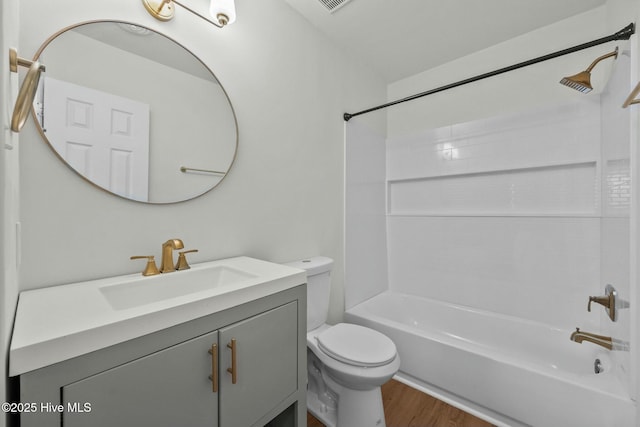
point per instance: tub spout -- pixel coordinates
(579, 336)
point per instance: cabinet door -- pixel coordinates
(266, 365)
(168, 388)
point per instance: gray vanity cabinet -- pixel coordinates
(165, 389)
(172, 385)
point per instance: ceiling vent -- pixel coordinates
(333, 5)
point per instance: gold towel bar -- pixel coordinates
(15, 61)
(631, 99)
(186, 169)
(28, 89)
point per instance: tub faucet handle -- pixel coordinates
(600, 300)
(608, 301)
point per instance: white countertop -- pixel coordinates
(61, 322)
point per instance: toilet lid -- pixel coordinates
(357, 345)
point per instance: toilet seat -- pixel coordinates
(356, 345)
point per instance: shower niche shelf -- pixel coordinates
(565, 190)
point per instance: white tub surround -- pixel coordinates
(506, 206)
(365, 217)
(515, 208)
(509, 371)
(61, 322)
(498, 231)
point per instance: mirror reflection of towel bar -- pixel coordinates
(185, 170)
(27, 90)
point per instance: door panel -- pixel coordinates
(266, 361)
(166, 389)
(103, 136)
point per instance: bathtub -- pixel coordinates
(506, 370)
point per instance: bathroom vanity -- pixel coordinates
(231, 354)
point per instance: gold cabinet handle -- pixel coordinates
(233, 370)
(214, 368)
(631, 99)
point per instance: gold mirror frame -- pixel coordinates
(183, 169)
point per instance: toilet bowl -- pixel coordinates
(346, 364)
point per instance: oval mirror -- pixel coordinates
(134, 112)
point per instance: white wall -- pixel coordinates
(522, 89)
(615, 267)
(9, 152)
(365, 221)
(282, 199)
(627, 225)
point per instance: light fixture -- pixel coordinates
(222, 11)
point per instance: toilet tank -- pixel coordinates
(318, 288)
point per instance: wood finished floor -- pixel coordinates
(407, 407)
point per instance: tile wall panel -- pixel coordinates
(502, 214)
(541, 269)
(554, 190)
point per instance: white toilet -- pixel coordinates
(346, 363)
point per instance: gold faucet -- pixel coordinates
(167, 265)
(579, 336)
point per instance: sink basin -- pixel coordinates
(171, 285)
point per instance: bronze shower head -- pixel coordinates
(582, 81)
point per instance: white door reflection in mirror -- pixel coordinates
(102, 136)
(192, 128)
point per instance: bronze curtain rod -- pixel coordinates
(623, 34)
